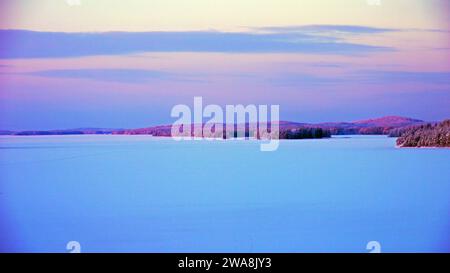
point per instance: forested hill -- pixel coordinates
(427, 135)
(288, 130)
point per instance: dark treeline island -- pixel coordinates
(288, 130)
(411, 132)
(304, 133)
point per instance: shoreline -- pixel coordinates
(422, 147)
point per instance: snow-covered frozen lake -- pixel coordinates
(144, 194)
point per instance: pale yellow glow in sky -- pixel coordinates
(224, 15)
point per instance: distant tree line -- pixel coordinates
(304, 133)
(289, 133)
(229, 133)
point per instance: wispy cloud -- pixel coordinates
(327, 29)
(108, 75)
(392, 77)
(304, 80)
(30, 44)
(365, 77)
(328, 65)
(138, 76)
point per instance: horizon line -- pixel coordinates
(166, 124)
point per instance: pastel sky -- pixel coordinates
(125, 64)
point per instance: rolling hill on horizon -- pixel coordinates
(376, 126)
